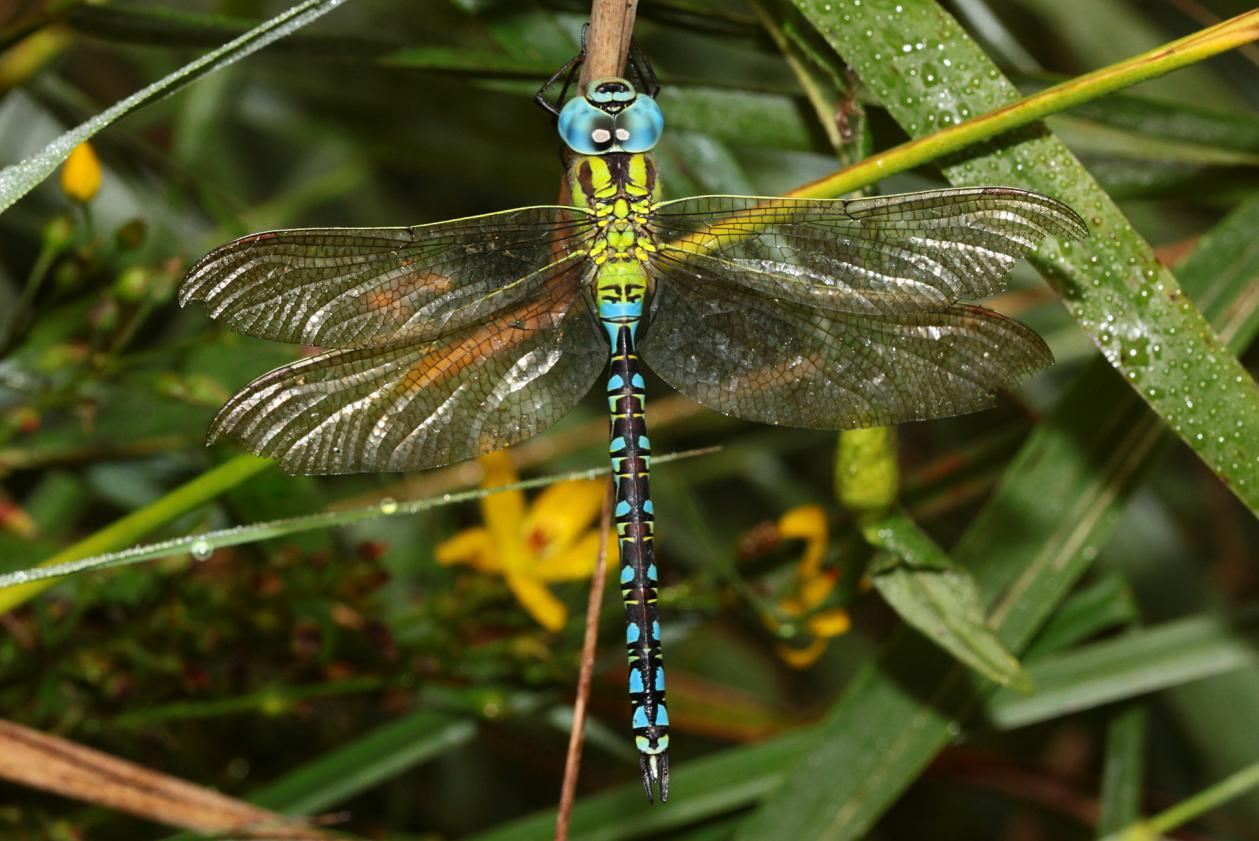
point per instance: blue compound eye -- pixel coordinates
(586, 130)
(638, 127)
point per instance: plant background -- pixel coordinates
(346, 670)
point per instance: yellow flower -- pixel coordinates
(812, 586)
(81, 174)
(530, 546)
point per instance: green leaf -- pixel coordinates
(699, 788)
(1103, 604)
(741, 117)
(929, 76)
(932, 594)
(99, 551)
(736, 777)
(19, 179)
(1055, 507)
(1134, 664)
(1110, 31)
(460, 60)
(1123, 771)
(26, 584)
(374, 758)
(369, 760)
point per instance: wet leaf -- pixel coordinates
(930, 76)
(1055, 507)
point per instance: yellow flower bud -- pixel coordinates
(81, 174)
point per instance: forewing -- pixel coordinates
(415, 406)
(361, 287)
(783, 363)
(892, 254)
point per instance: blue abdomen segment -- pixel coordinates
(635, 526)
(616, 315)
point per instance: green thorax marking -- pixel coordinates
(621, 189)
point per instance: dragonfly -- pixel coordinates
(450, 340)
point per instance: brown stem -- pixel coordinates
(39, 760)
(572, 764)
(607, 42)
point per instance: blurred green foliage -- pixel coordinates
(347, 670)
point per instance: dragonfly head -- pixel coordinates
(611, 117)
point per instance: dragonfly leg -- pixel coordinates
(647, 81)
(568, 72)
(630, 450)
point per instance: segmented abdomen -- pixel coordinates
(631, 462)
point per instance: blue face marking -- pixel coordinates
(611, 117)
(605, 92)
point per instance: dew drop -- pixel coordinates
(201, 550)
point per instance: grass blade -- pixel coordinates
(26, 584)
(710, 786)
(19, 585)
(737, 777)
(1056, 506)
(19, 179)
(1123, 771)
(1134, 664)
(931, 76)
(366, 762)
(1235, 785)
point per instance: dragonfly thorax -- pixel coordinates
(620, 189)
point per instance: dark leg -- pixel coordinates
(646, 81)
(568, 71)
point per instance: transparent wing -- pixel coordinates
(419, 405)
(783, 363)
(361, 287)
(892, 254)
